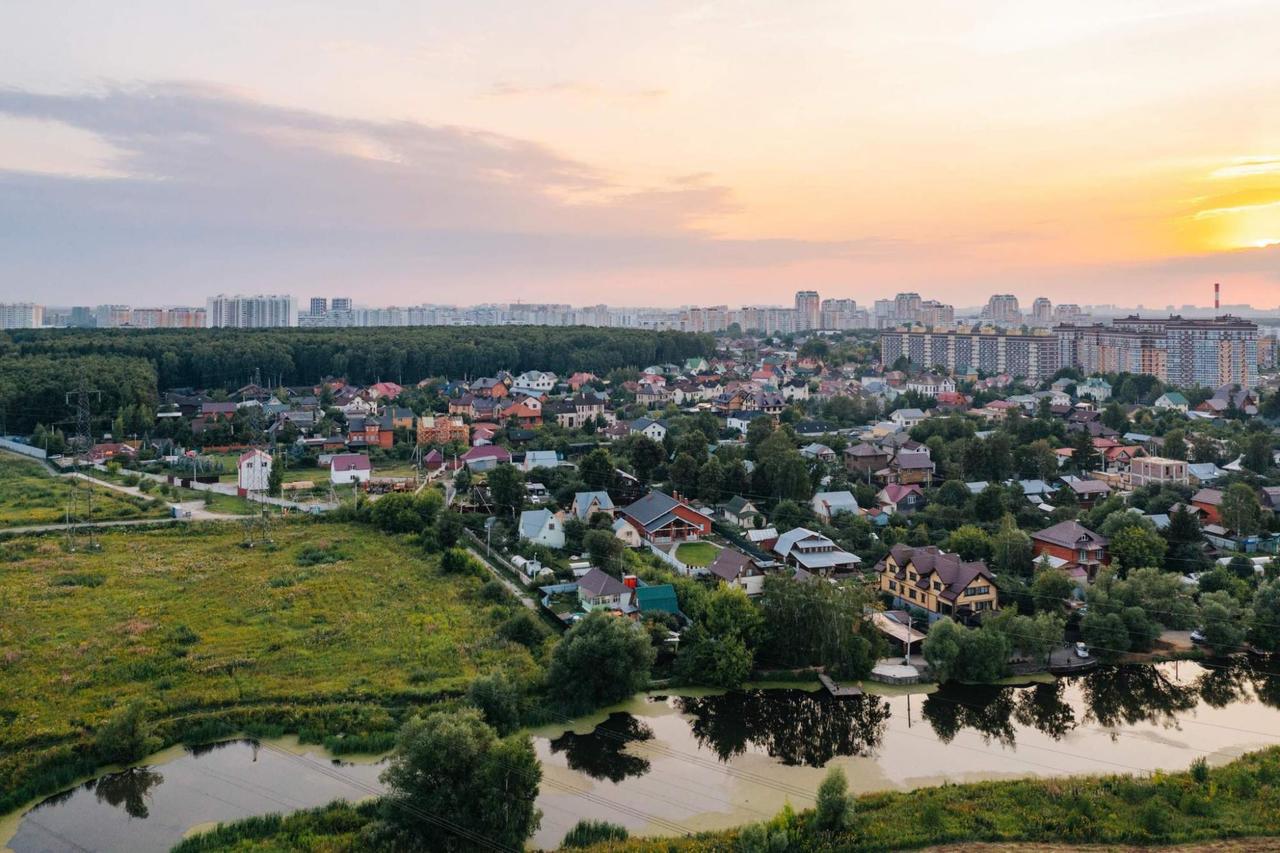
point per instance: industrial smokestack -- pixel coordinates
(1217, 287)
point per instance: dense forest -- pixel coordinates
(38, 367)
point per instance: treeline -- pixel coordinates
(37, 367)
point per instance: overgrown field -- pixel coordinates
(1237, 800)
(205, 630)
(30, 494)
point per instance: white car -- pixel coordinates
(1197, 636)
(1082, 651)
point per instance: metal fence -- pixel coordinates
(24, 449)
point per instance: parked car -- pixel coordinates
(1197, 636)
(1082, 651)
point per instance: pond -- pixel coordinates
(676, 764)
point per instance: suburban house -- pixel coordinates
(486, 457)
(763, 537)
(1081, 550)
(1209, 501)
(1172, 400)
(489, 387)
(1095, 388)
(937, 582)
(367, 431)
(661, 518)
(865, 458)
(542, 527)
(931, 385)
(741, 421)
(1157, 470)
(907, 418)
(536, 379)
(900, 498)
(628, 535)
(814, 553)
(587, 504)
(539, 459)
(827, 505)
(253, 471)
(913, 465)
(600, 591)
(738, 570)
(1088, 492)
(818, 452)
(741, 512)
(657, 430)
(347, 468)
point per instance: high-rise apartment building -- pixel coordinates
(906, 307)
(21, 315)
(250, 312)
(319, 306)
(1179, 351)
(808, 310)
(842, 315)
(1042, 311)
(341, 303)
(1034, 356)
(1003, 308)
(935, 313)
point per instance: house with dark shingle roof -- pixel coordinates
(662, 519)
(598, 590)
(1083, 550)
(939, 583)
(738, 570)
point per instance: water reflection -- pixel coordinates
(793, 726)
(601, 754)
(1108, 697)
(129, 789)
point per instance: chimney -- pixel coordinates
(1217, 287)
(630, 581)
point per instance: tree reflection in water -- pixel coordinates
(601, 754)
(793, 726)
(1127, 695)
(984, 707)
(128, 788)
(1266, 679)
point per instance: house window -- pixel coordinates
(893, 585)
(912, 594)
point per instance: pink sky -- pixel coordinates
(665, 153)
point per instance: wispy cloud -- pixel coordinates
(210, 184)
(507, 89)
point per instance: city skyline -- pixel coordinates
(734, 152)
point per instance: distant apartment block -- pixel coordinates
(21, 315)
(1034, 356)
(808, 310)
(1178, 351)
(251, 312)
(1002, 308)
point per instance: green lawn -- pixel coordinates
(186, 617)
(696, 554)
(31, 494)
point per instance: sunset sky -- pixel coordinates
(640, 153)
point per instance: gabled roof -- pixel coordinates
(597, 583)
(1070, 534)
(930, 562)
(350, 462)
(658, 597)
(729, 563)
(1212, 497)
(532, 521)
(582, 502)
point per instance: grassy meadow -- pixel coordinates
(30, 494)
(188, 619)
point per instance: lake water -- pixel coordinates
(675, 764)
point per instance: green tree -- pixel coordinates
(730, 613)
(605, 550)
(599, 661)
(1011, 549)
(1106, 634)
(1240, 509)
(1257, 453)
(646, 456)
(498, 699)
(275, 477)
(835, 805)
(506, 488)
(942, 648)
(1136, 546)
(451, 764)
(1050, 589)
(715, 661)
(1264, 628)
(710, 480)
(1224, 623)
(684, 474)
(125, 737)
(597, 470)
(970, 542)
(1175, 444)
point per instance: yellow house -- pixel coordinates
(937, 582)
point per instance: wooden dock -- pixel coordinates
(835, 689)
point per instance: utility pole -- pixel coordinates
(81, 492)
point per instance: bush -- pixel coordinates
(835, 804)
(456, 561)
(316, 555)
(89, 579)
(523, 628)
(498, 699)
(586, 833)
(125, 737)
